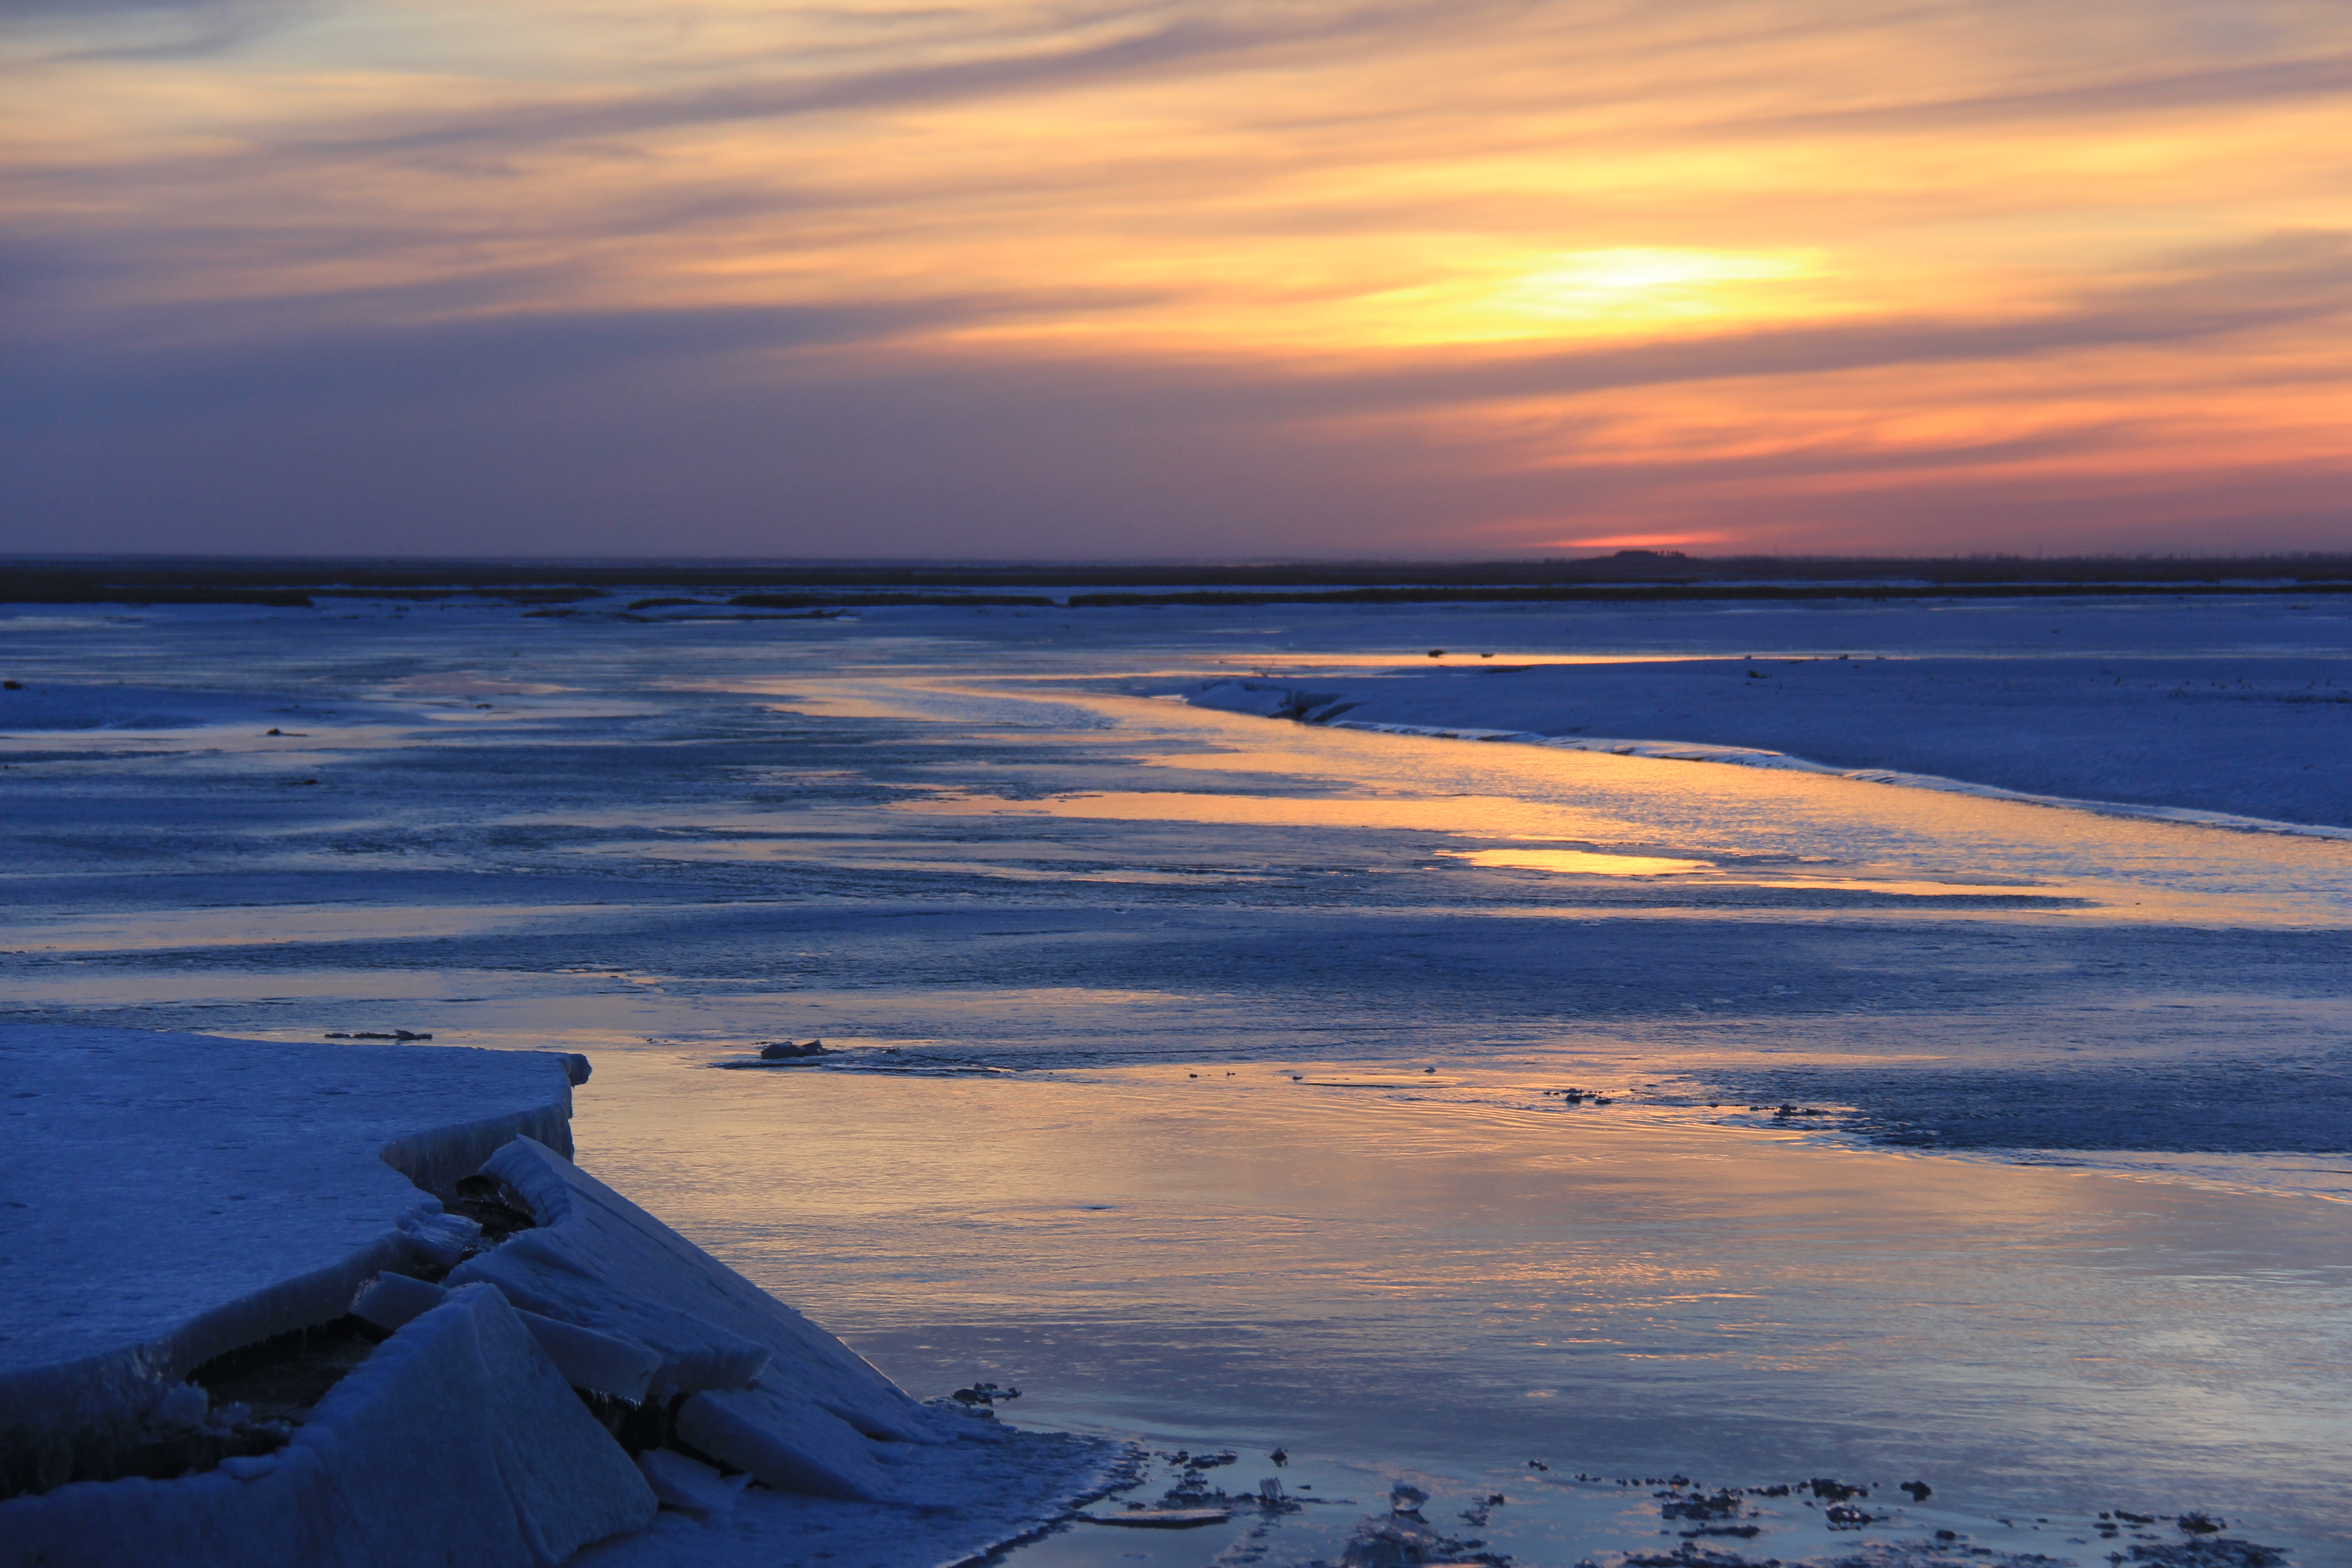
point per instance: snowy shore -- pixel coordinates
(354, 1304)
(2264, 741)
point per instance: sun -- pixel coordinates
(1645, 284)
(1617, 291)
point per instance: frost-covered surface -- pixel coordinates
(765, 1390)
(2265, 737)
(173, 1196)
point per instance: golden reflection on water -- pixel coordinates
(1580, 862)
(1426, 1265)
(2135, 869)
(1486, 815)
(1829, 831)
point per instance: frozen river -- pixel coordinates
(1211, 1068)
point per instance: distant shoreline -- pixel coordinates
(1626, 577)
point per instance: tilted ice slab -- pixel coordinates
(768, 1391)
(165, 1198)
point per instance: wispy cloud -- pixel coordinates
(1333, 272)
(133, 30)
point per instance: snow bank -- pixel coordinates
(2264, 740)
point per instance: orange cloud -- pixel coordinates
(1322, 278)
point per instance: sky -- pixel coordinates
(1198, 280)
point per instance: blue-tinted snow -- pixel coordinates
(2247, 736)
(169, 1198)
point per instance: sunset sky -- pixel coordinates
(1106, 279)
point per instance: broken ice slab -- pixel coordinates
(455, 1442)
(442, 1238)
(390, 1300)
(787, 1442)
(190, 1196)
(687, 1485)
(600, 1364)
(596, 1259)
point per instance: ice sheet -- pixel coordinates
(2249, 736)
(266, 1220)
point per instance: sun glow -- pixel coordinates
(1618, 290)
(1645, 284)
(1385, 279)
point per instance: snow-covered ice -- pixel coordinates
(170, 1197)
(2260, 738)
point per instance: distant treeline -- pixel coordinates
(1631, 574)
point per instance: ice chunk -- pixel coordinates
(598, 1260)
(688, 1353)
(442, 1238)
(786, 1441)
(457, 1441)
(601, 1364)
(390, 1300)
(183, 1407)
(687, 1485)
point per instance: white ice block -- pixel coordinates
(390, 1300)
(441, 1238)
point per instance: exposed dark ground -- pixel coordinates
(1630, 575)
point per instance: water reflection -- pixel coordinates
(1580, 862)
(1375, 1276)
